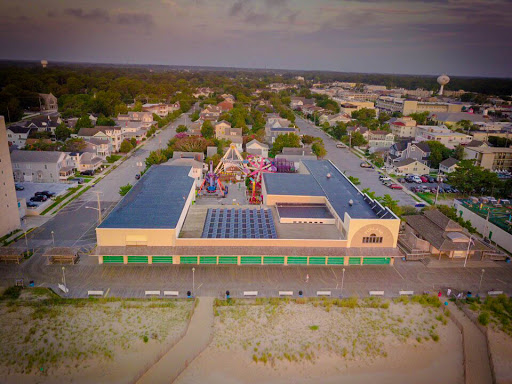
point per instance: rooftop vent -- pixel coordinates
(351, 202)
(328, 175)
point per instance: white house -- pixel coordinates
(41, 166)
(254, 147)
(17, 136)
(448, 166)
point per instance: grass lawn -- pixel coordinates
(58, 199)
(113, 158)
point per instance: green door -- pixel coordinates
(273, 260)
(314, 260)
(336, 260)
(162, 259)
(228, 260)
(188, 259)
(297, 260)
(354, 260)
(376, 260)
(137, 259)
(250, 260)
(113, 259)
(208, 260)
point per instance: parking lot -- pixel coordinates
(32, 188)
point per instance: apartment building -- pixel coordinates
(403, 127)
(8, 201)
(113, 134)
(380, 139)
(443, 135)
(406, 107)
(491, 158)
(40, 166)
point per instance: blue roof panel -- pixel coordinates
(156, 201)
(291, 184)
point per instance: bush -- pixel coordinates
(145, 338)
(484, 318)
(126, 146)
(181, 128)
(12, 293)
(125, 189)
(314, 327)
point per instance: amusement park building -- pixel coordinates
(319, 215)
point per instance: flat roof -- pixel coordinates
(291, 184)
(304, 211)
(156, 201)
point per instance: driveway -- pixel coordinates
(349, 163)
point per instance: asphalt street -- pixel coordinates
(74, 224)
(349, 163)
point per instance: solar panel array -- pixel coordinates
(239, 224)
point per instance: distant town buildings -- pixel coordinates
(406, 107)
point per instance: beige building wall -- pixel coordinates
(121, 237)
(359, 228)
(9, 218)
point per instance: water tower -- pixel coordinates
(44, 63)
(442, 81)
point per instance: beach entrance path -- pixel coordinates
(478, 370)
(198, 336)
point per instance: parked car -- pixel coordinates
(46, 193)
(417, 180)
(31, 204)
(340, 145)
(419, 205)
(39, 198)
(19, 187)
(137, 176)
(409, 179)
(78, 180)
(87, 173)
(401, 180)
(423, 179)
(364, 164)
(395, 186)
(431, 179)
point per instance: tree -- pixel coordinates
(420, 117)
(339, 130)
(438, 153)
(356, 141)
(207, 129)
(288, 140)
(62, 132)
(120, 109)
(319, 149)
(74, 145)
(133, 142)
(307, 139)
(158, 157)
(83, 122)
(194, 116)
(354, 180)
(126, 147)
(105, 121)
(181, 128)
(458, 152)
(383, 117)
(125, 189)
(137, 107)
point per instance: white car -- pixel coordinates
(417, 179)
(384, 179)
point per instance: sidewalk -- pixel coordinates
(197, 338)
(476, 359)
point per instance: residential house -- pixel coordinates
(228, 97)
(45, 123)
(224, 131)
(225, 106)
(254, 147)
(41, 166)
(205, 92)
(312, 109)
(276, 126)
(404, 150)
(194, 129)
(210, 112)
(434, 233)
(491, 158)
(403, 126)
(48, 102)
(17, 135)
(296, 155)
(380, 139)
(99, 147)
(453, 118)
(298, 103)
(443, 135)
(448, 166)
(132, 129)
(220, 128)
(86, 161)
(333, 119)
(409, 167)
(161, 109)
(113, 134)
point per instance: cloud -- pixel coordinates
(94, 15)
(135, 18)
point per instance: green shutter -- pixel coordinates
(188, 259)
(208, 260)
(376, 260)
(336, 260)
(113, 259)
(297, 260)
(354, 260)
(137, 259)
(273, 260)
(162, 259)
(250, 260)
(228, 260)
(314, 260)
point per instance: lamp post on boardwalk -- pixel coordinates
(64, 280)
(53, 239)
(193, 282)
(481, 277)
(342, 280)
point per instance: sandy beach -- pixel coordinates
(318, 342)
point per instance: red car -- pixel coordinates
(424, 179)
(395, 186)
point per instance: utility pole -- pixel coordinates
(469, 247)
(481, 277)
(342, 280)
(439, 178)
(99, 206)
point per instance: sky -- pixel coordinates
(470, 38)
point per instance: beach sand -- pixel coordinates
(329, 345)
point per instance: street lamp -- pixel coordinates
(193, 282)
(342, 280)
(64, 280)
(25, 233)
(53, 239)
(469, 247)
(481, 277)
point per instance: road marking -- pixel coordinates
(106, 294)
(501, 281)
(200, 285)
(399, 274)
(336, 277)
